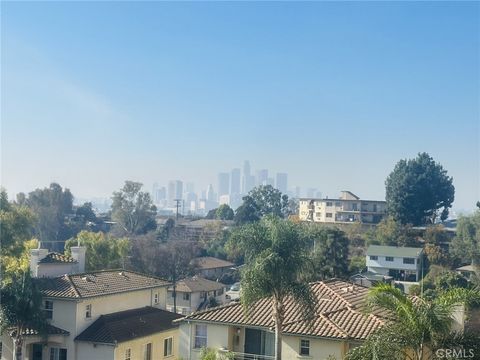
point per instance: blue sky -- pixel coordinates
(332, 93)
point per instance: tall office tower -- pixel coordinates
(246, 177)
(171, 194)
(281, 183)
(161, 194)
(262, 177)
(190, 187)
(178, 189)
(210, 193)
(235, 184)
(271, 181)
(154, 192)
(223, 183)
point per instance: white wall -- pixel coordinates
(397, 263)
(217, 337)
(55, 269)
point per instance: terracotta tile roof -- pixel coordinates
(51, 330)
(127, 325)
(208, 262)
(55, 257)
(197, 284)
(338, 313)
(97, 283)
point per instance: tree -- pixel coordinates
(224, 212)
(417, 327)
(466, 244)
(86, 212)
(418, 190)
(133, 209)
(21, 309)
(260, 201)
(171, 261)
(51, 207)
(330, 250)
(103, 251)
(277, 266)
(391, 232)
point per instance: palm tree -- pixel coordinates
(416, 327)
(21, 309)
(278, 266)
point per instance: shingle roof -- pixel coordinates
(338, 313)
(393, 251)
(55, 257)
(127, 325)
(197, 284)
(208, 262)
(97, 284)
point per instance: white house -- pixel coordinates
(51, 264)
(338, 324)
(194, 293)
(401, 263)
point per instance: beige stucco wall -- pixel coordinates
(320, 349)
(137, 346)
(55, 269)
(217, 337)
(89, 351)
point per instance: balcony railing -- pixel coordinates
(246, 356)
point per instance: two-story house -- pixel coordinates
(338, 324)
(348, 208)
(212, 268)
(194, 293)
(401, 263)
(111, 314)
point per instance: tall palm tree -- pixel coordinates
(278, 266)
(20, 309)
(416, 327)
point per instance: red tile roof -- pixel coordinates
(55, 257)
(338, 313)
(208, 262)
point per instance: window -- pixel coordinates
(168, 346)
(220, 292)
(329, 215)
(186, 296)
(155, 298)
(373, 257)
(305, 347)
(329, 203)
(88, 311)
(408, 260)
(374, 207)
(48, 309)
(338, 204)
(388, 258)
(200, 336)
(354, 207)
(58, 354)
(128, 354)
(147, 351)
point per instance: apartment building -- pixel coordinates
(348, 208)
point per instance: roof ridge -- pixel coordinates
(334, 325)
(231, 303)
(338, 296)
(72, 285)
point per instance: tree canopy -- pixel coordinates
(418, 191)
(466, 244)
(133, 209)
(260, 201)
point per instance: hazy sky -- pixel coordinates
(332, 93)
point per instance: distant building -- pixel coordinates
(235, 182)
(262, 177)
(281, 183)
(194, 293)
(223, 184)
(211, 267)
(246, 177)
(348, 208)
(401, 263)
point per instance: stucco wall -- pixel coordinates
(157, 340)
(88, 351)
(55, 269)
(217, 337)
(319, 349)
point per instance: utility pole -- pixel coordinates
(177, 205)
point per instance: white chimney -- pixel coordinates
(35, 256)
(78, 253)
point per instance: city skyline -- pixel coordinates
(334, 94)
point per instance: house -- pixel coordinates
(211, 267)
(131, 334)
(194, 293)
(51, 264)
(348, 208)
(401, 263)
(338, 324)
(73, 303)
